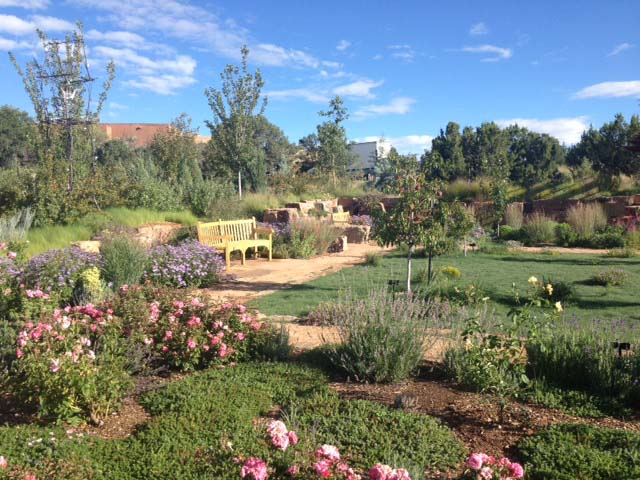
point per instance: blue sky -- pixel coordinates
(404, 68)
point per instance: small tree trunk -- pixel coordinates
(429, 268)
(239, 184)
(409, 269)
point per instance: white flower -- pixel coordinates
(532, 280)
(558, 306)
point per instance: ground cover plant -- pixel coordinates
(236, 403)
(490, 274)
(568, 452)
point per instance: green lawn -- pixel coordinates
(492, 274)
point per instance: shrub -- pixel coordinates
(154, 194)
(188, 264)
(570, 451)
(373, 259)
(539, 228)
(621, 253)
(209, 198)
(513, 215)
(555, 290)
(610, 239)
(508, 233)
(451, 272)
(361, 220)
(382, 336)
(565, 235)
(322, 232)
(124, 261)
(583, 359)
(615, 277)
(463, 190)
(68, 366)
(586, 219)
(57, 271)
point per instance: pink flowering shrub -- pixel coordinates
(184, 333)
(324, 462)
(481, 466)
(63, 364)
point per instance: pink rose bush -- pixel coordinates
(481, 466)
(323, 462)
(58, 367)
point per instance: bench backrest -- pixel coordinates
(236, 229)
(340, 217)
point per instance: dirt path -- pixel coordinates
(260, 277)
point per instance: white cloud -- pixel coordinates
(308, 94)
(27, 4)
(329, 64)
(609, 90)
(405, 52)
(17, 26)
(193, 23)
(162, 75)
(52, 24)
(378, 57)
(128, 39)
(118, 106)
(163, 84)
(7, 44)
(343, 45)
(479, 28)
(397, 106)
(568, 129)
(360, 88)
(495, 54)
(620, 48)
(404, 144)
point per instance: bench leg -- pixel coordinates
(227, 258)
(269, 250)
(243, 256)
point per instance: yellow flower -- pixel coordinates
(549, 289)
(532, 280)
(559, 307)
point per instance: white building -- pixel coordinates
(367, 153)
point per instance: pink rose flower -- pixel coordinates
(486, 473)
(3, 463)
(475, 461)
(380, 472)
(399, 474)
(293, 438)
(293, 470)
(328, 452)
(12, 255)
(242, 308)
(240, 336)
(191, 344)
(19, 353)
(254, 468)
(516, 470)
(168, 335)
(322, 468)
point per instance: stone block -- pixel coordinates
(154, 234)
(281, 215)
(91, 246)
(355, 233)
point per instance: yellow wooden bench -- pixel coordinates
(340, 217)
(234, 235)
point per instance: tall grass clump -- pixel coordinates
(513, 215)
(539, 228)
(587, 219)
(124, 261)
(464, 190)
(323, 233)
(383, 336)
(14, 228)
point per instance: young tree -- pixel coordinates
(421, 218)
(392, 168)
(235, 106)
(333, 150)
(177, 154)
(60, 90)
